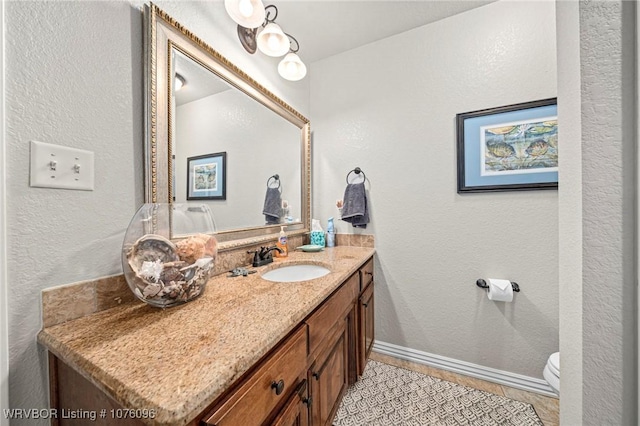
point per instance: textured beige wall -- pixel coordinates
(389, 107)
(598, 222)
(67, 85)
(607, 49)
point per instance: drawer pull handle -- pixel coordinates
(307, 401)
(368, 273)
(365, 304)
(279, 387)
(316, 375)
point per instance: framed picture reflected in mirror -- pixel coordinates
(207, 177)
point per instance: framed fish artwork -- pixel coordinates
(508, 148)
(207, 177)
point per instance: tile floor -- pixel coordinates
(548, 409)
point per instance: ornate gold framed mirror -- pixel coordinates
(220, 110)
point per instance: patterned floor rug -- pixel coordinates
(392, 396)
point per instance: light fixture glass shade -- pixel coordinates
(292, 68)
(247, 13)
(272, 41)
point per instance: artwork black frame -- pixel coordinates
(503, 183)
(219, 160)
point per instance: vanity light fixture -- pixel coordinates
(247, 13)
(179, 82)
(272, 41)
(291, 67)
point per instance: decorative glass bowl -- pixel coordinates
(168, 252)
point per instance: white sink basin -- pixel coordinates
(295, 273)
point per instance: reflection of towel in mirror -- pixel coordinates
(355, 210)
(272, 206)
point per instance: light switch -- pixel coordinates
(55, 166)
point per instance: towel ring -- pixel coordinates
(276, 178)
(357, 171)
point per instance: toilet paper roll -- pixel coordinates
(500, 290)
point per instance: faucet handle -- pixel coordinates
(256, 255)
(264, 252)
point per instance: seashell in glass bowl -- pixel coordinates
(169, 252)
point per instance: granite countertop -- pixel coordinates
(179, 360)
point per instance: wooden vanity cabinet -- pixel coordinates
(340, 338)
(330, 368)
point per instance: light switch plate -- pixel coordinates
(55, 166)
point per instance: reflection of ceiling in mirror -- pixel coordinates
(199, 81)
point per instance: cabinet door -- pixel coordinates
(295, 412)
(366, 331)
(329, 377)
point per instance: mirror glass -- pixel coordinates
(221, 138)
(212, 117)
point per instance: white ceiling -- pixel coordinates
(326, 28)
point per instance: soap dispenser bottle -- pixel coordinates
(331, 233)
(282, 244)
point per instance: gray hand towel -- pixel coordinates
(272, 206)
(355, 210)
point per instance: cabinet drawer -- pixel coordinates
(252, 403)
(366, 274)
(324, 319)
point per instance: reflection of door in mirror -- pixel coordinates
(211, 116)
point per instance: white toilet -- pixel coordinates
(551, 372)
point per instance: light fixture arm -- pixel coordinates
(267, 10)
(291, 49)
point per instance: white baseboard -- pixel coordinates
(518, 381)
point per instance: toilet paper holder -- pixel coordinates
(483, 284)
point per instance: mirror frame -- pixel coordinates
(162, 33)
